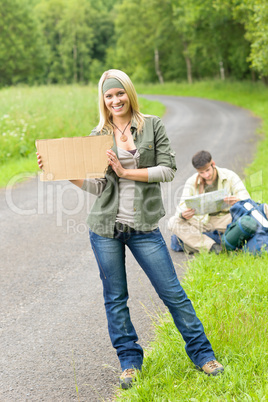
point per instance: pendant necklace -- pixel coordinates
(123, 137)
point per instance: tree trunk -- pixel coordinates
(188, 63)
(81, 70)
(222, 71)
(75, 63)
(264, 79)
(253, 75)
(157, 68)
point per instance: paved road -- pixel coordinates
(52, 326)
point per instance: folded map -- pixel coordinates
(207, 203)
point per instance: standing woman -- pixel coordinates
(126, 213)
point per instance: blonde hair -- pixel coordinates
(105, 122)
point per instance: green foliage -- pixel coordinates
(75, 35)
(21, 44)
(65, 41)
(254, 15)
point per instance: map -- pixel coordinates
(207, 203)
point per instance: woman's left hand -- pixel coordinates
(114, 163)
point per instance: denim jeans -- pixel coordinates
(150, 251)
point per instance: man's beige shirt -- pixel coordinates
(227, 180)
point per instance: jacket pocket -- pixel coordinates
(147, 154)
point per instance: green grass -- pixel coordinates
(32, 113)
(229, 292)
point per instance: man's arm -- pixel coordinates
(238, 190)
(182, 210)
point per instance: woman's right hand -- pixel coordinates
(39, 160)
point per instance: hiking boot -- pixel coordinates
(216, 248)
(126, 378)
(213, 368)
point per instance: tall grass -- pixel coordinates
(27, 114)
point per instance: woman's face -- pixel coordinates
(117, 102)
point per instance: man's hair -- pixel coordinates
(200, 159)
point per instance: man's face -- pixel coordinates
(208, 173)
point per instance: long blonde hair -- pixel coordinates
(105, 122)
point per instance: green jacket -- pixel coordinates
(154, 149)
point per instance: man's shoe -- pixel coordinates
(213, 368)
(126, 378)
(216, 248)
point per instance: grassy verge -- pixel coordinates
(229, 293)
(28, 114)
(230, 296)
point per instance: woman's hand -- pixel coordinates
(129, 174)
(39, 160)
(115, 164)
(188, 213)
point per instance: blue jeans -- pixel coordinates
(150, 251)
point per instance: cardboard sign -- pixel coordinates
(74, 158)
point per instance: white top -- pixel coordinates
(126, 212)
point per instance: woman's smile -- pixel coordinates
(117, 102)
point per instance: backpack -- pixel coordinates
(253, 242)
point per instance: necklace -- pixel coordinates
(123, 137)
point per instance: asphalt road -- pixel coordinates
(53, 332)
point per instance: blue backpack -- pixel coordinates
(250, 208)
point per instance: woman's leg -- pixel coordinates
(110, 256)
(149, 249)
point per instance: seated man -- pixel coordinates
(188, 226)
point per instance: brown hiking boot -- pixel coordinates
(213, 368)
(126, 378)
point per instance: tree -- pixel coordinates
(22, 55)
(77, 35)
(76, 42)
(254, 15)
(143, 43)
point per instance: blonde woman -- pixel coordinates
(126, 213)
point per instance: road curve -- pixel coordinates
(53, 332)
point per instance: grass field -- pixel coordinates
(32, 113)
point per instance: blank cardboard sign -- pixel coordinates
(74, 158)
